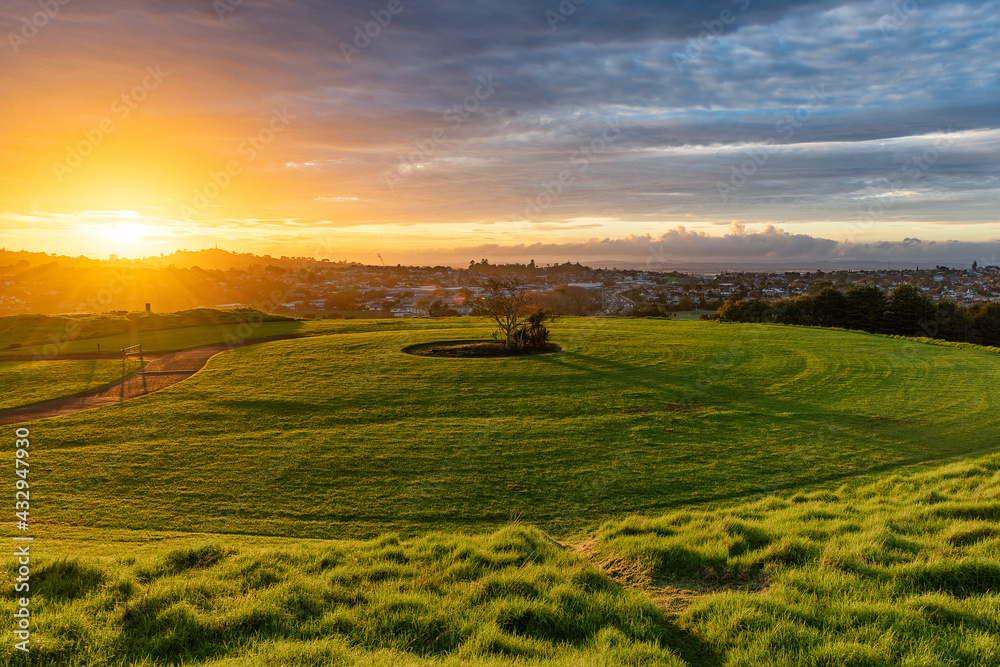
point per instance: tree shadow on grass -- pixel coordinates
(473, 349)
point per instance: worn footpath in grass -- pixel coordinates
(903, 570)
(24, 383)
(345, 435)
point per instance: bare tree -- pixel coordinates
(505, 304)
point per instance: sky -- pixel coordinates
(439, 131)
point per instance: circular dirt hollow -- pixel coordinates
(470, 349)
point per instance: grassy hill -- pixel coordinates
(47, 335)
(743, 482)
(56, 341)
(898, 569)
(357, 438)
(30, 382)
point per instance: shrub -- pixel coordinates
(533, 336)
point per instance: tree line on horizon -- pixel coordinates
(906, 311)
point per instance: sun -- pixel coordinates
(117, 231)
(126, 233)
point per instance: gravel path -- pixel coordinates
(162, 371)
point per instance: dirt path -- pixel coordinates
(162, 371)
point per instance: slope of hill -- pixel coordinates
(30, 382)
(357, 437)
(896, 569)
(659, 492)
(29, 334)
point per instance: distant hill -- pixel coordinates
(209, 259)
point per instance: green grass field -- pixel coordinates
(900, 570)
(769, 494)
(357, 438)
(30, 382)
(166, 340)
(897, 569)
(169, 340)
(47, 335)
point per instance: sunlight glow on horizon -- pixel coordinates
(185, 133)
(126, 233)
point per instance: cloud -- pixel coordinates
(828, 100)
(770, 246)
